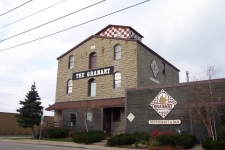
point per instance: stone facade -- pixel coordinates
(105, 57)
(119, 127)
(134, 67)
(58, 116)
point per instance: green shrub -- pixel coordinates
(219, 145)
(57, 133)
(166, 139)
(122, 139)
(185, 140)
(141, 136)
(209, 144)
(88, 137)
(221, 132)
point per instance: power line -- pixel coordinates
(73, 26)
(32, 14)
(15, 8)
(52, 21)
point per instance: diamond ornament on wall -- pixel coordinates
(130, 117)
(155, 68)
(163, 103)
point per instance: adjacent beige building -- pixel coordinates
(93, 76)
(9, 125)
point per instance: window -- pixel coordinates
(91, 87)
(92, 60)
(117, 52)
(89, 118)
(163, 68)
(69, 86)
(73, 118)
(117, 80)
(116, 114)
(71, 62)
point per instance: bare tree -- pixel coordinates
(205, 103)
(87, 111)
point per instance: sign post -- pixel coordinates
(42, 121)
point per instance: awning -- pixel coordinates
(113, 102)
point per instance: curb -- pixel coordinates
(63, 144)
(73, 145)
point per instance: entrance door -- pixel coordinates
(107, 121)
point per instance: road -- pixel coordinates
(18, 146)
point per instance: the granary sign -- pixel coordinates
(163, 103)
(93, 73)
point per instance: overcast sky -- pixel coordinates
(190, 34)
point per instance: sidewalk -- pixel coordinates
(71, 144)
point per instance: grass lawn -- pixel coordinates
(58, 140)
(46, 139)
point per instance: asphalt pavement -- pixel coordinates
(21, 146)
(69, 144)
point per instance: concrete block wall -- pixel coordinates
(139, 99)
(104, 47)
(80, 120)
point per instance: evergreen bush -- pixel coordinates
(185, 140)
(57, 133)
(141, 136)
(122, 139)
(221, 128)
(209, 144)
(88, 137)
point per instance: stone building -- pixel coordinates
(93, 77)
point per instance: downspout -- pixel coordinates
(125, 111)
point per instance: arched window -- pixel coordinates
(117, 80)
(117, 52)
(91, 87)
(71, 62)
(69, 86)
(92, 60)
